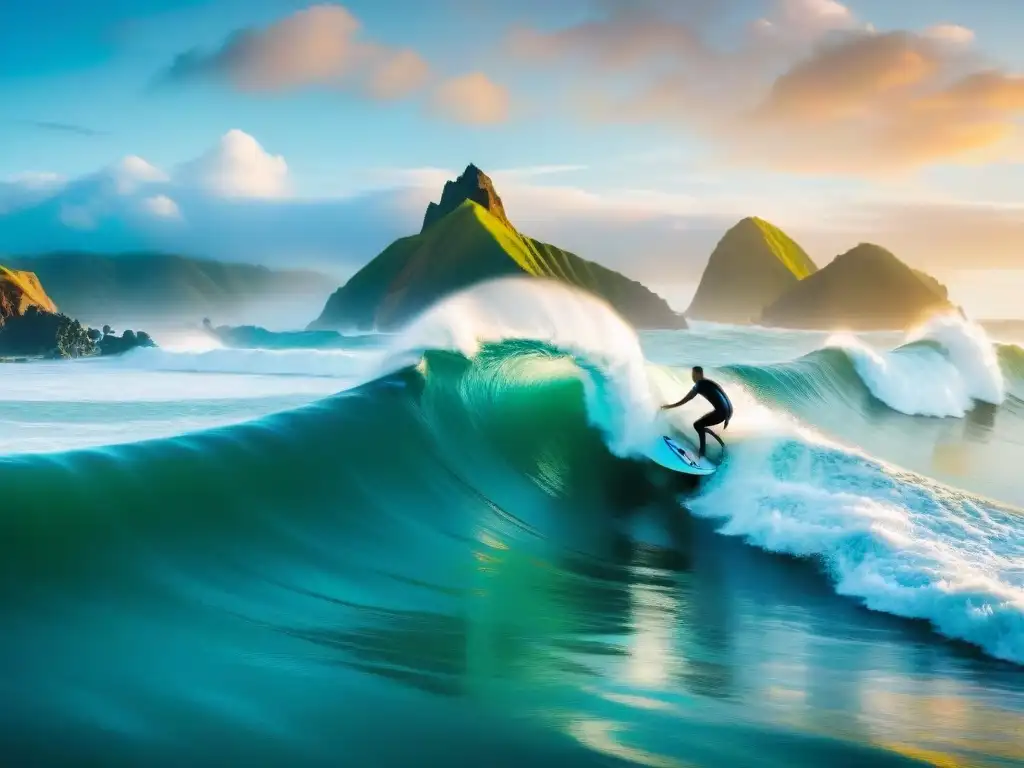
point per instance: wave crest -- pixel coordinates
(942, 370)
(620, 398)
(945, 367)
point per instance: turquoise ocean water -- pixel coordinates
(445, 547)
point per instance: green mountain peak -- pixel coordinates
(753, 264)
(866, 288)
(467, 239)
(472, 185)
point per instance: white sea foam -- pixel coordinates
(943, 369)
(351, 365)
(899, 542)
(148, 393)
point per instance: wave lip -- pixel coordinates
(612, 367)
(944, 369)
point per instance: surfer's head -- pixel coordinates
(698, 373)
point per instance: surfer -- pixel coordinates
(715, 395)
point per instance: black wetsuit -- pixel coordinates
(715, 395)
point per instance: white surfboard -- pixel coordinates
(674, 454)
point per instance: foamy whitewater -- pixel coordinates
(903, 543)
(511, 416)
(943, 369)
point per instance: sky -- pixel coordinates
(634, 133)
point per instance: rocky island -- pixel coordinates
(864, 289)
(757, 274)
(753, 265)
(467, 238)
(32, 327)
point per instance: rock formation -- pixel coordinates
(751, 267)
(866, 288)
(473, 185)
(31, 325)
(466, 239)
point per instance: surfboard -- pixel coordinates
(675, 455)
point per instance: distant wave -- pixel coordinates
(336, 363)
(942, 370)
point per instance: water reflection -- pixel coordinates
(653, 620)
(980, 422)
(605, 646)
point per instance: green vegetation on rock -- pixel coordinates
(785, 249)
(750, 268)
(44, 334)
(866, 288)
(31, 325)
(466, 245)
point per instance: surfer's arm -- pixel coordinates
(684, 401)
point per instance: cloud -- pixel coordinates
(50, 125)
(132, 172)
(162, 207)
(953, 34)
(77, 217)
(238, 167)
(531, 171)
(880, 101)
(231, 203)
(84, 203)
(227, 204)
(473, 99)
(27, 188)
(399, 75)
(804, 20)
(948, 236)
(809, 88)
(318, 46)
(839, 81)
(37, 179)
(819, 14)
(621, 41)
(324, 46)
(315, 46)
